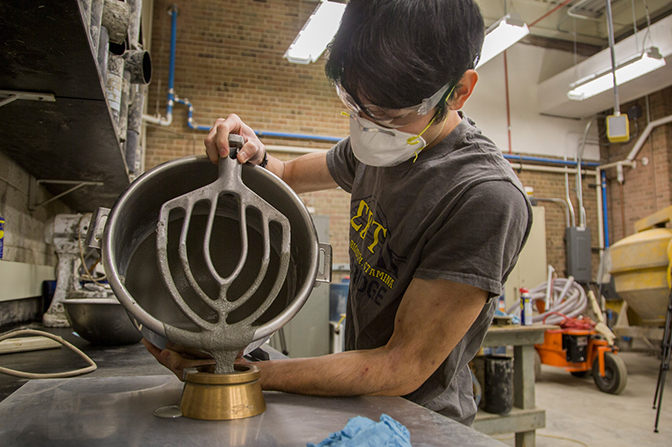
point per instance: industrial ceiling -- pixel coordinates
(581, 21)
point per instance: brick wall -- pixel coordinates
(552, 185)
(229, 59)
(647, 188)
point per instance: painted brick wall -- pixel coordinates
(229, 59)
(24, 239)
(647, 188)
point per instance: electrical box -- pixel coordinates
(618, 128)
(579, 254)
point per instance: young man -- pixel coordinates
(438, 217)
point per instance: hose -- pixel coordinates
(26, 375)
(567, 298)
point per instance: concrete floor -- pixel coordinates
(578, 411)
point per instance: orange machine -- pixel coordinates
(578, 348)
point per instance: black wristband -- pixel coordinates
(264, 162)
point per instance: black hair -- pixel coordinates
(399, 52)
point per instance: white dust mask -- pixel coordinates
(375, 145)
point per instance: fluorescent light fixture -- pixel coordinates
(316, 34)
(633, 67)
(501, 35)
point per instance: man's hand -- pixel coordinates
(176, 358)
(217, 141)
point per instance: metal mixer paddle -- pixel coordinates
(221, 339)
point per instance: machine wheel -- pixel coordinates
(579, 374)
(537, 366)
(615, 374)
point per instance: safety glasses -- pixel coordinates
(392, 118)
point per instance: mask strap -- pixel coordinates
(414, 139)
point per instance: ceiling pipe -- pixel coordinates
(642, 139)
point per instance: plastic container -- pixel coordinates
(338, 299)
(525, 308)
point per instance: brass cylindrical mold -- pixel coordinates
(218, 397)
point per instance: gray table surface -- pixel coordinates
(114, 411)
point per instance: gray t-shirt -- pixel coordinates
(457, 213)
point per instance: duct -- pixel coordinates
(131, 149)
(85, 10)
(137, 99)
(123, 106)
(95, 24)
(139, 65)
(118, 49)
(103, 51)
(134, 24)
(136, 105)
(116, 17)
(114, 83)
(137, 70)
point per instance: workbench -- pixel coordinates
(113, 406)
(525, 417)
(115, 411)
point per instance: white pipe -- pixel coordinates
(158, 119)
(293, 149)
(645, 135)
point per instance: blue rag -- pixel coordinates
(514, 318)
(363, 432)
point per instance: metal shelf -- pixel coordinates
(45, 48)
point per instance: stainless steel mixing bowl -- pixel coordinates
(129, 252)
(101, 321)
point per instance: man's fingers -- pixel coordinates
(151, 348)
(192, 352)
(232, 124)
(174, 361)
(217, 141)
(250, 151)
(177, 363)
(210, 146)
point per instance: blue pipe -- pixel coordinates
(171, 66)
(605, 216)
(521, 158)
(296, 136)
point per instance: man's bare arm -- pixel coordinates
(432, 318)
